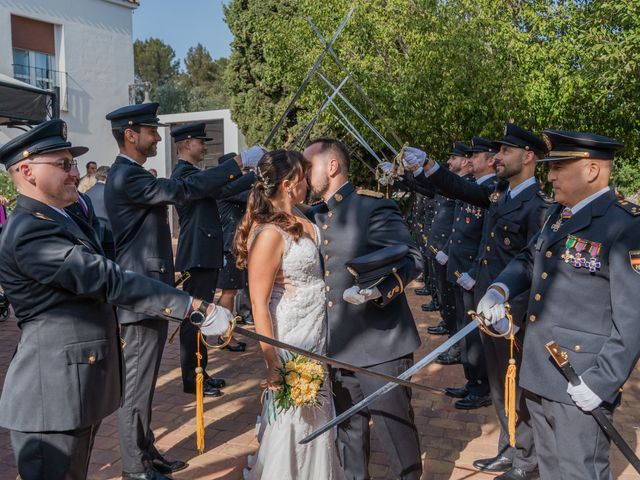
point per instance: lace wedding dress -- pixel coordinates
(297, 307)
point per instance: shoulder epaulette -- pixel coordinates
(42, 216)
(632, 208)
(369, 193)
(545, 197)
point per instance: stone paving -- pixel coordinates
(450, 439)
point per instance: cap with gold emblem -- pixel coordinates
(144, 114)
(190, 130)
(460, 150)
(479, 144)
(569, 145)
(49, 136)
(515, 136)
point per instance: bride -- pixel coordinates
(279, 248)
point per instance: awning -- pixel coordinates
(21, 103)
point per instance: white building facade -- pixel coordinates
(83, 49)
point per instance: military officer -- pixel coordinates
(137, 207)
(583, 271)
(199, 249)
(516, 211)
(375, 329)
(463, 250)
(65, 375)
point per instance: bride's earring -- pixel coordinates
(289, 193)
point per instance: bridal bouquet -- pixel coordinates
(300, 384)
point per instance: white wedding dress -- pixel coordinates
(297, 309)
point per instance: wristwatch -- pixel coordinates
(197, 316)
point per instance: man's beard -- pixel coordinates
(316, 193)
(148, 151)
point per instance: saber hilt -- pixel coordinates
(562, 360)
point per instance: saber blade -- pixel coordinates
(471, 326)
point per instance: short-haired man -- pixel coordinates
(583, 274)
(96, 194)
(65, 375)
(374, 328)
(136, 204)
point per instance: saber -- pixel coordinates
(471, 326)
(332, 361)
(358, 114)
(313, 121)
(360, 139)
(353, 80)
(562, 360)
(305, 82)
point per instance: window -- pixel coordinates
(33, 52)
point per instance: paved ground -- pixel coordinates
(450, 439)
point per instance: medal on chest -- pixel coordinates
(581, 253)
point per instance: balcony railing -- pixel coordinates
(45, 78)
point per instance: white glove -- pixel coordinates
(385, 178)
(251, 157)
(355, 296)
(386, 167)
(413, 158)
(465, 281)
(442, 258)
(217, 322)
(583, 396)
(491, 306)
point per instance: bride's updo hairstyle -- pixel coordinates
(274, 168)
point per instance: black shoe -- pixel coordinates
(456, 392)
(493, 464)
(209, 391)
(422, 291)
(148, 475)
(215, 382)
(448, 359)
(438, 330)
(430, 307)
(238, 347)
(516, 473)
(163, 465)
(473, 401)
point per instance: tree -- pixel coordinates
(154, 61)
(444, 71)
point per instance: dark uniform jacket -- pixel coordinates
(137, 207)
(66, 373)
(376, 331)
(441, 224)
(232, 210)
(508, 226)
(466, 234)
(592, 313)
(96, 194)
(200, 243)
(88, 215)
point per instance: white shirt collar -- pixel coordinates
(527, 183)
(484, 177)
(586, 201)
(60, 211)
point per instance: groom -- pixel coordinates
(376, 330)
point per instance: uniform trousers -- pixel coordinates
(53, 455)
(392, 417)
(446, 297)
(496, 351)
(472, 353)
(144, 344)
(201, 284)
(569, 442)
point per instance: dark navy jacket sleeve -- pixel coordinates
(453, 186)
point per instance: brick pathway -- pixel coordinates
(450, 439)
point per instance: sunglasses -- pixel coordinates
(63, 163)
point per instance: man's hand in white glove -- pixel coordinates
(355, 296)
(217, 322)
(385, 168)
(465, 281)
(585, 398)
(442, 258)
(491, 307)
(413, 158)
(251, 157)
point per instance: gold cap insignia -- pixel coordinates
(25, 154)
(64, 131)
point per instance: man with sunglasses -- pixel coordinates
(137, 204)
(65, 375)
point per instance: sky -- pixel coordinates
(183, 24)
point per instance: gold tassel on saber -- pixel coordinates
(199, 400)
(510, 409)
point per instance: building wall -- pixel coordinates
(94, 46)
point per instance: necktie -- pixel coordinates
(507, 197)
